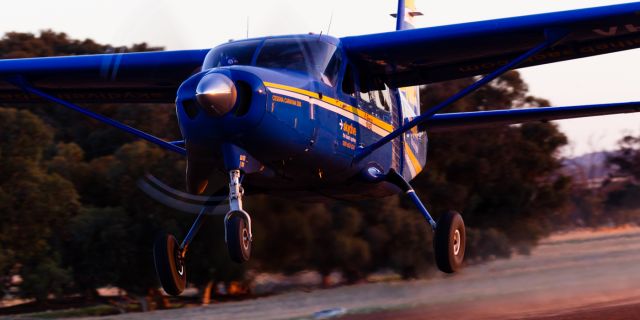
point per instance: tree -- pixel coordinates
(35, 206)
(112, 245)
(399, 237)
(621, 201)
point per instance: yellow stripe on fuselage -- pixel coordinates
(336, 103)
(293, 89)
(414, 160)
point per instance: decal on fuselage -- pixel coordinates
(281, 99)
(347, 135)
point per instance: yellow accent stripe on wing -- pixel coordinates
(414, 160)
(337, 103)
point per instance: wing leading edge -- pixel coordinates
(427, 55)
(149, 77)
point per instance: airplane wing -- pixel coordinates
(481, 119)
(427, 55)
(150, 77)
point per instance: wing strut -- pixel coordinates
(27, 87)
(552, 36)
(483, 119)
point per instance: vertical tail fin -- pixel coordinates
(404, 20)
(406, 12)
(415, 143)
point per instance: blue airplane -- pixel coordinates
(313, 116)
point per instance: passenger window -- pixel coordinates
(365, 96)
(381, 99)
(383, 103)
(386, 97)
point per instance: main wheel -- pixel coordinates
(449, 242)
(169, 264)
(238, 238)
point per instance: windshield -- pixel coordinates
(317, 58)
(231, 54)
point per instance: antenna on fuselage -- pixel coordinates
(329, 27)
(330, 21)
(247, 27)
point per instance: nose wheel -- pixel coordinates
(238, 237)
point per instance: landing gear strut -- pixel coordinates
(449, 238)
(169, 257)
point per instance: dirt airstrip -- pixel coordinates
(581, 275)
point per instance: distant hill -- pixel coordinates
(589, 166)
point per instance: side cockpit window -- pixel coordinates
(330, 74)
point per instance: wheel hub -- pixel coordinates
(246, 241)
(456, 242)
(179, 263)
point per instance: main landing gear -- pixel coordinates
(169, 257)
(449, 238)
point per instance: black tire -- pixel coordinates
(238, 240)
(449, 242)
(170, 267)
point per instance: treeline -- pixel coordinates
(607, 186)
(73, 218)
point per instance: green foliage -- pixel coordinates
(50, 43)
(33, 215)
(621, 201)
(625, 161)
(112, 245)
(485, 244)
(111, 248)
(24, 138)
(44, 276)
(399, 237)
(98, 246)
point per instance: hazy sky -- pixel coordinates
(192, 24)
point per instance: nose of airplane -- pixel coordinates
(217, 94)
(220, 105)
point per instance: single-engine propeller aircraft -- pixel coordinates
(317, 116)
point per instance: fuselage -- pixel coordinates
(299, 120)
